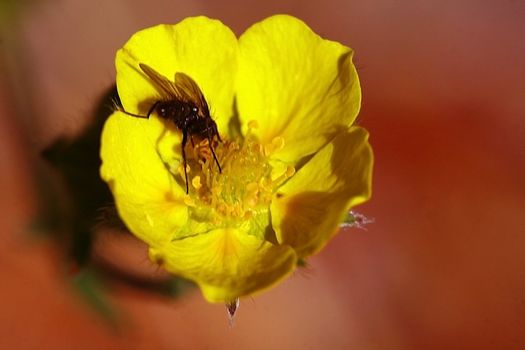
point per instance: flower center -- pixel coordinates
(245, 186)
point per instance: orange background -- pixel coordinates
(443, 266)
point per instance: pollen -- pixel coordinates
(196, 182)
(245, 186)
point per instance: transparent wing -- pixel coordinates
(188, 88)
(183, 89)
(162, 82)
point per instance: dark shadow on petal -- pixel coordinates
(269, 232)
(312, 218)
(234, 125)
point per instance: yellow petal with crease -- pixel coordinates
(297, 86)
(146, 195)
(203, 48)
(307, 210)
(226, 263)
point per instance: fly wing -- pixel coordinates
(162, 82)
(188, 88)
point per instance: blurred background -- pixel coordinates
(442, 266)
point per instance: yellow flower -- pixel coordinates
(284, 101)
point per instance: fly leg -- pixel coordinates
(216, 132)
(214, 127)
(184, 140)
(151, 109)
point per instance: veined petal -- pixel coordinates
(203, 48)
(146, 195)
(226, 263)
(297, 86)
(307, 210)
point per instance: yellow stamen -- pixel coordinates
(278, 143)
(290, 170)
(244, 188)
(196, 182)
(189, 201)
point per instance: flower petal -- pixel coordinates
(203, 48)
(307, 210)
(146, 195)
(226, 263)
(297, 86)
